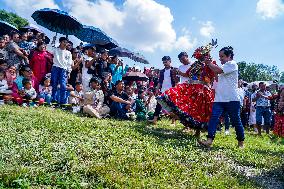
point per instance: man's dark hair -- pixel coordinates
(78, 83)
(62, 39)
(117, 82)
(182, 54)
(166, 58)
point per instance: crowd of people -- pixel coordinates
(200, 94)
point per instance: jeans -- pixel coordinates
(118, 110)
(233, 109)
(265, 112)
(226, 120)
(47, 97)
(59, 76)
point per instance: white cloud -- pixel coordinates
(143, 24)
(207, 29)
(270, 8)
(25, 8)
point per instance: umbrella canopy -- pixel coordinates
(121, 52)
(30, 28)
(135, 76)
(93, 35)
(57, 21)
(6, 28)
(139, 58)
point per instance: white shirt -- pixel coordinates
(85, 74)
(227, 87)
(183, 68)
(3, 85)
(241, 93)
(167, 83)
(62, 59)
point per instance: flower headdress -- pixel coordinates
(203, 52)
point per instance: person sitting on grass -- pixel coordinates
(140, 110)
(3, 86)
(77, 97)
(29, 93)
(45, 90)
(94, 100)
(121, 103)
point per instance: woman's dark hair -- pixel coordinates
(22, 69)
(95, 80)
(40, 44)
(114, 57)
(2, 71)
(228, 51)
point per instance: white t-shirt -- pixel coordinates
(3, 85)
(227, 87)
(183, 69)
(3, 54)
(241, 93)
(62, 59)
(85, 74)
(167, 83)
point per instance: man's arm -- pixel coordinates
(216, 69)
(119, 100)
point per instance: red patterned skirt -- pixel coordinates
(279, 125)
(192, 103)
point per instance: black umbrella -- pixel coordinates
(57, 21)
(6, 28)
(135, 76)
(30, 28)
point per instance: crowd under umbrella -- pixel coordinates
(57, 21)
(123, 52)
(135, 76)
(7, 28)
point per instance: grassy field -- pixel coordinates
(45, 148)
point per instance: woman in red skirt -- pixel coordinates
(279, 116)
(192, 101)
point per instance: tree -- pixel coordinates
(13, 19)
(282, 77)
(258, 72)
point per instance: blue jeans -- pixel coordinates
(118, 110)
(59, 76)
(47, 97)
(226, 120)
(265, 112)
(233, 109)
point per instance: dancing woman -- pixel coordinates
(192, 101)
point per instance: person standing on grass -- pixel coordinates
(62, 62)
(262, 98)
(226, 96)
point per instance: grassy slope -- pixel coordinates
(50, 148)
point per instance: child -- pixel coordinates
(151, 103)
(29, 93)
(3, 86)
(45, 90)
(76, 97)
(11, 75)
(140, 110)
(94, 104)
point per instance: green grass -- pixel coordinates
(45, 148)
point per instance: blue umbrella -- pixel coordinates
(6, 28)
(121, 52)
(96, 36)
(57, 21)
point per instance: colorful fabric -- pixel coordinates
(192, 103)
(279, 125)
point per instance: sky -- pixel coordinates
(155, 28)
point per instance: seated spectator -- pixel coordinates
(17, 88)
(94, 100)
(107, 87)
(77, 97)
(3, 51)
(3, 64)
(11, 75)
(121, 103)
(151, 103)
(140, 110)
(45, 90)
(29, 94)
(3, 87)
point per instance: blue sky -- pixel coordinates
(165, 27)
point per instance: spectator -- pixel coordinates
(76, 68)
(140, 110)
(29, 93)
(77, 97)
(45, 90)
(120, 102)
(117, 70)
(183, 58)
(3, 51)
(62, 62)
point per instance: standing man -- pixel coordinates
(167, 79)
(62, 62)
(183, 58)
(226, 96)
(262, 98)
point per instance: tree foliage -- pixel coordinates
(13, 19)
(258, 72)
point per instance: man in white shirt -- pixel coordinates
(183, 58)
(226, 96)
(62, 62)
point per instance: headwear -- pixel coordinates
(203, 52)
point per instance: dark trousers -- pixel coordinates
(233, 109)
(118, 110)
